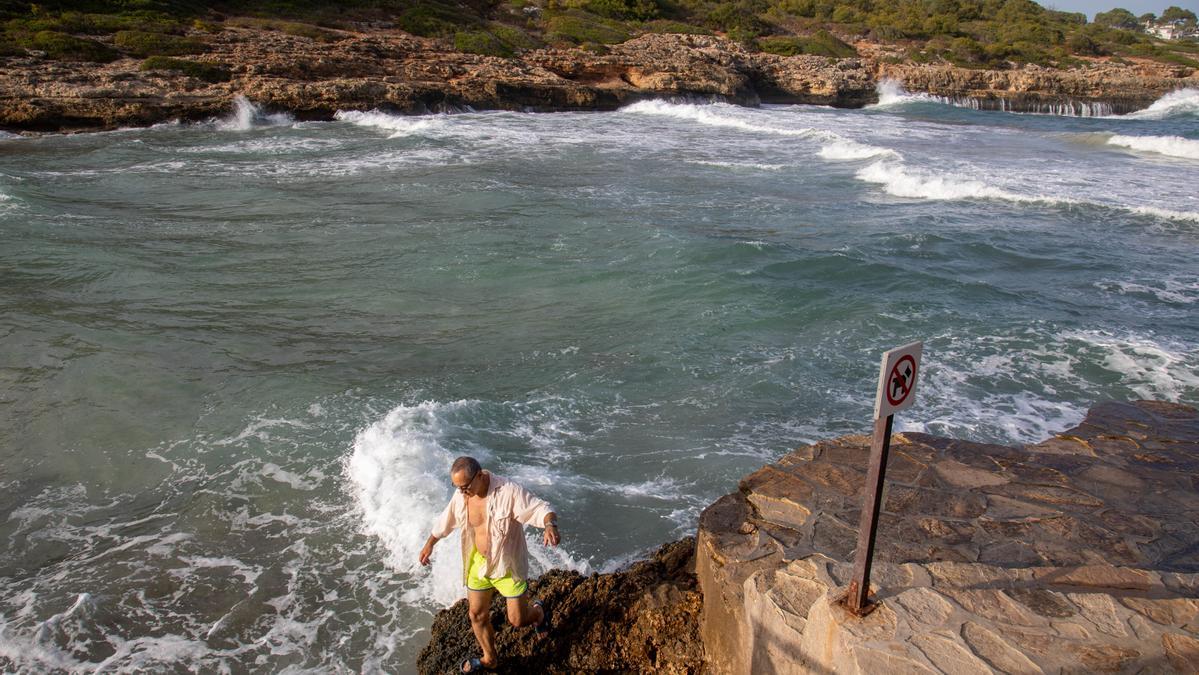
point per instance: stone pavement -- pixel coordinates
(1077, 554)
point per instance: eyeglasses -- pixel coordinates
(465, 488)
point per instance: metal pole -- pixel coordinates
(859, 588)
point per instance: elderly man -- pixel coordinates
(492, 512)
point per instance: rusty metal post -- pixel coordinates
(856, 601)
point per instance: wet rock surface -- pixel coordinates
(643, 619)
(394, 71)
(1077, 554)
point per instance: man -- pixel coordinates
(492, 512)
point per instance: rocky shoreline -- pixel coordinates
(1076, 554)
(394, 71)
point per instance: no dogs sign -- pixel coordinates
(897, 379)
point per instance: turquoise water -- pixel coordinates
(237, 358)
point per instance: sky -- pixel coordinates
(1138, 7)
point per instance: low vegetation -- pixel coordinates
(969, 33)
(208, 72)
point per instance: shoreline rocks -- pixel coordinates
(1076, 554)
(643, 619)
(396, 72)
(1073, 555)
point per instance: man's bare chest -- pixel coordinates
(476, 511)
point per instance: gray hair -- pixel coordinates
(468, 464)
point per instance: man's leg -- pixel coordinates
(479, 610)
(522, 612)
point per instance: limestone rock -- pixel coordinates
(1020, 560)
(391, 70)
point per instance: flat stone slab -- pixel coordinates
(1077, 554)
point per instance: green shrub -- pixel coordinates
(738, 20)
(967, 51)
(63, 47)
(209, 72)
(433, 20)
(514, 38)
(634, 10)
(207, 26)
(1171, 57)
(580, 27)
(666, 26)
(138, 43)
(480, 42)
(306, 30)
(821, 43)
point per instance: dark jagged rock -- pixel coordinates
(643, 619)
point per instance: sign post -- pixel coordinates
(896, 391)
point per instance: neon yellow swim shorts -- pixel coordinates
(506, 585)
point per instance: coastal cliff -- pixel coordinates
(1076, 554)
(392, 70)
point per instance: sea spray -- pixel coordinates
(246, 115)
(1180, 103)
(398, 471)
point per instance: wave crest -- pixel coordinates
(1173, 146)
(901, 181)
(399, 125)
(712, 114)
(1178, 103)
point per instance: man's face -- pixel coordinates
(465, 482)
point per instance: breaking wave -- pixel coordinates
(247, 115)
(901, 181)
(1173, 146)
(847, 150)
(399, 125)
(714, 114)
(1180, 103)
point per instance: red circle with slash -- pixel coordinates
(905, 382)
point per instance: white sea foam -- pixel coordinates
(900, 180)
(1172, 291)
(399, 125)
(891, 94)
(741, 165)
(7, 136)
(397, 474)
(1179, 103)
(1146, 366)
(714, 114)
(1174, 146)
(246, 115)
(1168, 214)
(847, 150)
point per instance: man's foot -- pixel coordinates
(474, 665)
(542, 627)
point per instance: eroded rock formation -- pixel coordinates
(1077, 554)
(644, 619)
(394, 71)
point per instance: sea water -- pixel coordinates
(237, 358)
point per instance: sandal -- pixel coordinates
(475, 666)
(542, 626)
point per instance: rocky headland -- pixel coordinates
(394, 71)
(1077, 554)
